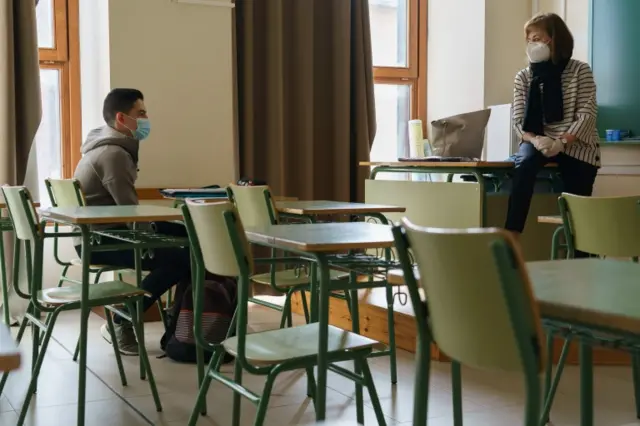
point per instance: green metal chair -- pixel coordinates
(256, 209)
(30, 237)
(219, 245)
(479, 309)
(68, 193)
(605, 227)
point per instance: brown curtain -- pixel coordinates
(20, 108)
(306, 113)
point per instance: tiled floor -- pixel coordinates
(489, 399)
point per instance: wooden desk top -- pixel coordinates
(3, 205)
(9, 352)
(323, 237)
(94, 215)
(554, 220)
(447, 165)
(441, 164)
(589, 291)
(603, 293)
(333, 207)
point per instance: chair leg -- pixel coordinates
(355, 326)
(144, 358)
(635, 363)
(36, 370)
(237, 398)
(202, 373)
(311, 384)
(305, 305)
(204, 388)
(35, 347)
(550, 395)
(63, 275)
(286, 309)
(373, 394)
(163, 315)
(21, 330)
(456, 382)
(116, 349)
(264, 400)
(392, 336)
(5, 284)
(421, 383)
(548, 371)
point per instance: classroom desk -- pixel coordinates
(453, 203)
(319, 242)
(9, 353)
(83, 218)
(596, 294)
(311, 209)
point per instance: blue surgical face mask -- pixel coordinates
(142, 130)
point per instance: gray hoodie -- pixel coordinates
(108, 169)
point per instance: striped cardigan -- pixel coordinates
(580, 110)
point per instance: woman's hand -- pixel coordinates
(569, 138)
(529, 137)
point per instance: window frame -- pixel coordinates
(415, 74)
(59, 52)
(65, 57)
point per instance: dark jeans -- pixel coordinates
(168, 266)
(577, 176)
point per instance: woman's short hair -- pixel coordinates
(561, 38)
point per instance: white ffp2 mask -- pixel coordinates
(538, 52)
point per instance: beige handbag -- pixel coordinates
(460, 136)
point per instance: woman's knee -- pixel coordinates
(529, 157)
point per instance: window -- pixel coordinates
(57, 140)
(398, 36)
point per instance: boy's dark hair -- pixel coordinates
(119, 100)
(561, 38)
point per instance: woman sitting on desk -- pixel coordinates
(554, 111)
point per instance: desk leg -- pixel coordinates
(139, 310)
(323, 319)
(84, 319)
(355, 326)
(586, 384)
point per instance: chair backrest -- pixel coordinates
(65, 192)
(604, 226)
(210, 225)
(254, 204)
(22, 212)
(481, 307)
(219, 245)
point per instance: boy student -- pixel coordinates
(107, 174)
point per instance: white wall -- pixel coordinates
(180, 56)
(455, 57)
(504, 55)
(475, 47)
(94, 61)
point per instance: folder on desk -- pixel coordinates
(182, 193)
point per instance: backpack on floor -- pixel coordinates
(220, 302)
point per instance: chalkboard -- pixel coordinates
(615, 59)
